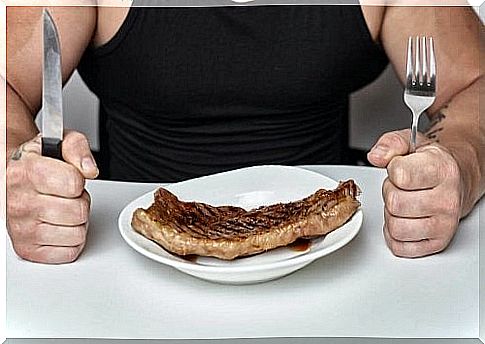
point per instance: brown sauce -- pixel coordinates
(190, 257)
(300, 245)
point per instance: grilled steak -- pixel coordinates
(228, 232)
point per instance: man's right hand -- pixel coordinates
(47, 205)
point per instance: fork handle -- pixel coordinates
(414, 133)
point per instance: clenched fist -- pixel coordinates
(423, 194)
(47, 206)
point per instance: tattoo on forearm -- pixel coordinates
(435, 127)
(17, 154)
(26, 147)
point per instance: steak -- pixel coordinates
(227, 232)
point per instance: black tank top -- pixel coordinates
(191, 91)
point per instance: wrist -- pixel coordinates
(467, 160)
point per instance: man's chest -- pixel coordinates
(267, 56)
(110, 19)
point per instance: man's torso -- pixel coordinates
(110, 19)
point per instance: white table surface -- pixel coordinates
(361, 290)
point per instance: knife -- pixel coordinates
(52, 116)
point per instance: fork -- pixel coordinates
(420, 90)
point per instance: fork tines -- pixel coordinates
(421, 70)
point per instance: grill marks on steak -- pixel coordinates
(227, 232)
(192, 218)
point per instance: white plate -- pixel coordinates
(247, 188)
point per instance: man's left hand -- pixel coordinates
(423, 194)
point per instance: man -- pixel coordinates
(187, 92)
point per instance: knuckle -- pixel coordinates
(13, 208)
(396, 248)
(42, 174)
(79, 236)
(399, 174)
(72, 253)
(83, 210)
(451, 205)
(15, 174)
(396, 232)
(14, 230)
(39, 171)
(22, 232)
(392, 202)
(436, 246)
(17, 205)
(37, 167)
(87, 196)
(75, 184)
(385, 187)
(23, 251)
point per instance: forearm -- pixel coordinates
(458, 128)
(20, 121)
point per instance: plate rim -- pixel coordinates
(190, 266)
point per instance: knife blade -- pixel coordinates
(52, 116)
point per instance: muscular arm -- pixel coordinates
(47, 218)
(24, 61)
(455, 113)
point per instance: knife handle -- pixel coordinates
(52, 148)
